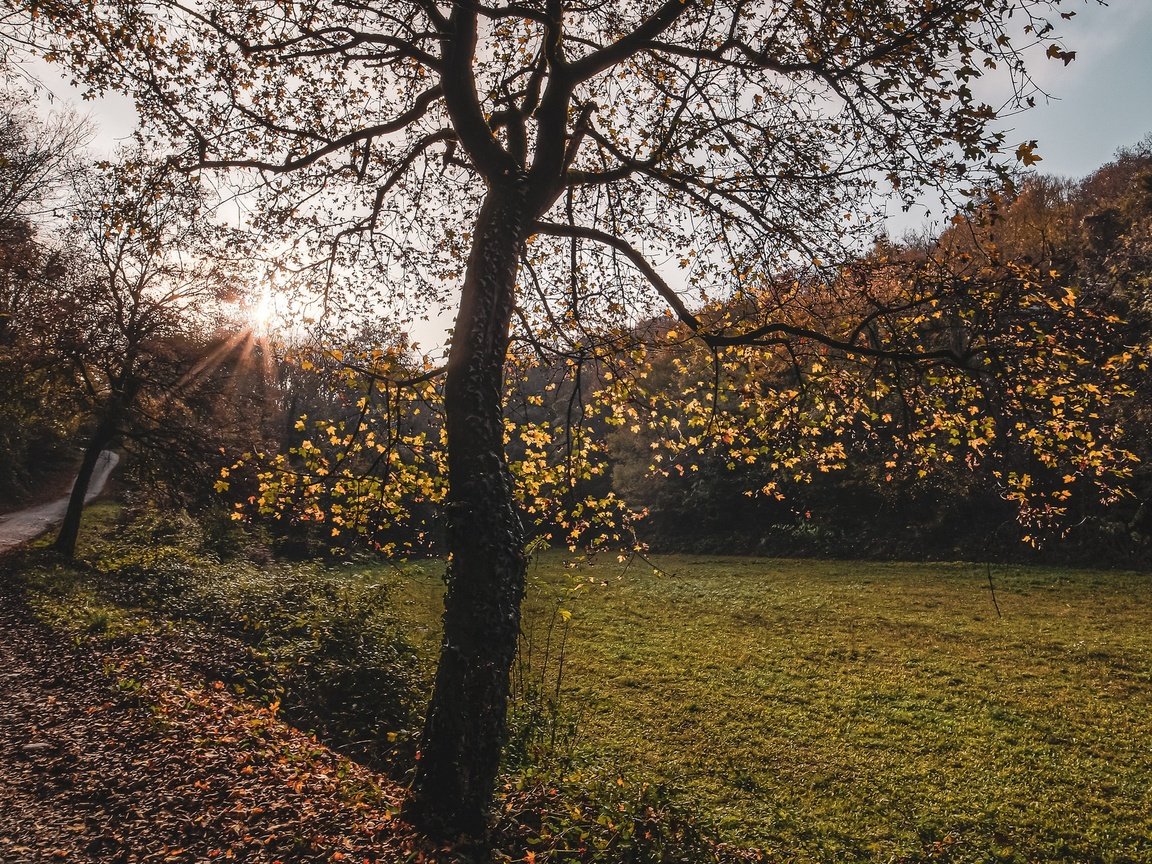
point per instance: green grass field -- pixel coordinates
(848, 711)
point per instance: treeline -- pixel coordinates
(986, 400)
(1090, 239)
(115, 321)
(980, 395)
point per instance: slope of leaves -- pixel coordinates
(119, 750)
(319, 642)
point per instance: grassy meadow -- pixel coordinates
(822, 710)
(849, 711)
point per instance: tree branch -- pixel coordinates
(419, 109)
(598, 61)
(764, 336)
(558, 229)
(395, 382)
(463, 102)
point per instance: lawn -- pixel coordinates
(849, 711)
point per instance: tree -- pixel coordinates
(205, 396)
(585, 146)
(38, 410)
(145, 280)
(38, 159)
(1037, 408)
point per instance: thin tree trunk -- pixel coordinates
(464, 732)
(65, 542)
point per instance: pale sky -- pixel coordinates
(1098, 103)
(1103, 99)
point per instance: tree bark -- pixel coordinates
(464, 731)
(65, 542)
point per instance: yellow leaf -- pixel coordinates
(1026, 154)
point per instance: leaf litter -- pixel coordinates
(118, 751)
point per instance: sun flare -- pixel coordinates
(261, 313)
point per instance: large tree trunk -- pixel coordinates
(65, 542)
(464, 732)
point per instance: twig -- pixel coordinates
(992, 590)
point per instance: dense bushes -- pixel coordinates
(322, 642)
(846, 515)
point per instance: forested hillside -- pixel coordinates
(1088, 237)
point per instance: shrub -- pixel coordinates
(323, 643)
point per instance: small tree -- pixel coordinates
(38, 160)
(586, 145)
(145, 279)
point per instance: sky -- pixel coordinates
(1088, 109)
(1100, 102)
(1103, 99)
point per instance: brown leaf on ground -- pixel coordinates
(117, 753)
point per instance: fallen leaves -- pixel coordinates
(172, 769)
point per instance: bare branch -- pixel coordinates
(776, 333)
(632, 43)
(557, 229)
(419, 109)
(395, 382)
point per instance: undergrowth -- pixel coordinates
(321, 643)
(595, 815)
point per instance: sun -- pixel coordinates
(261, 313)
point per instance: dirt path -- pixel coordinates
(119, 753)
(25, 525)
